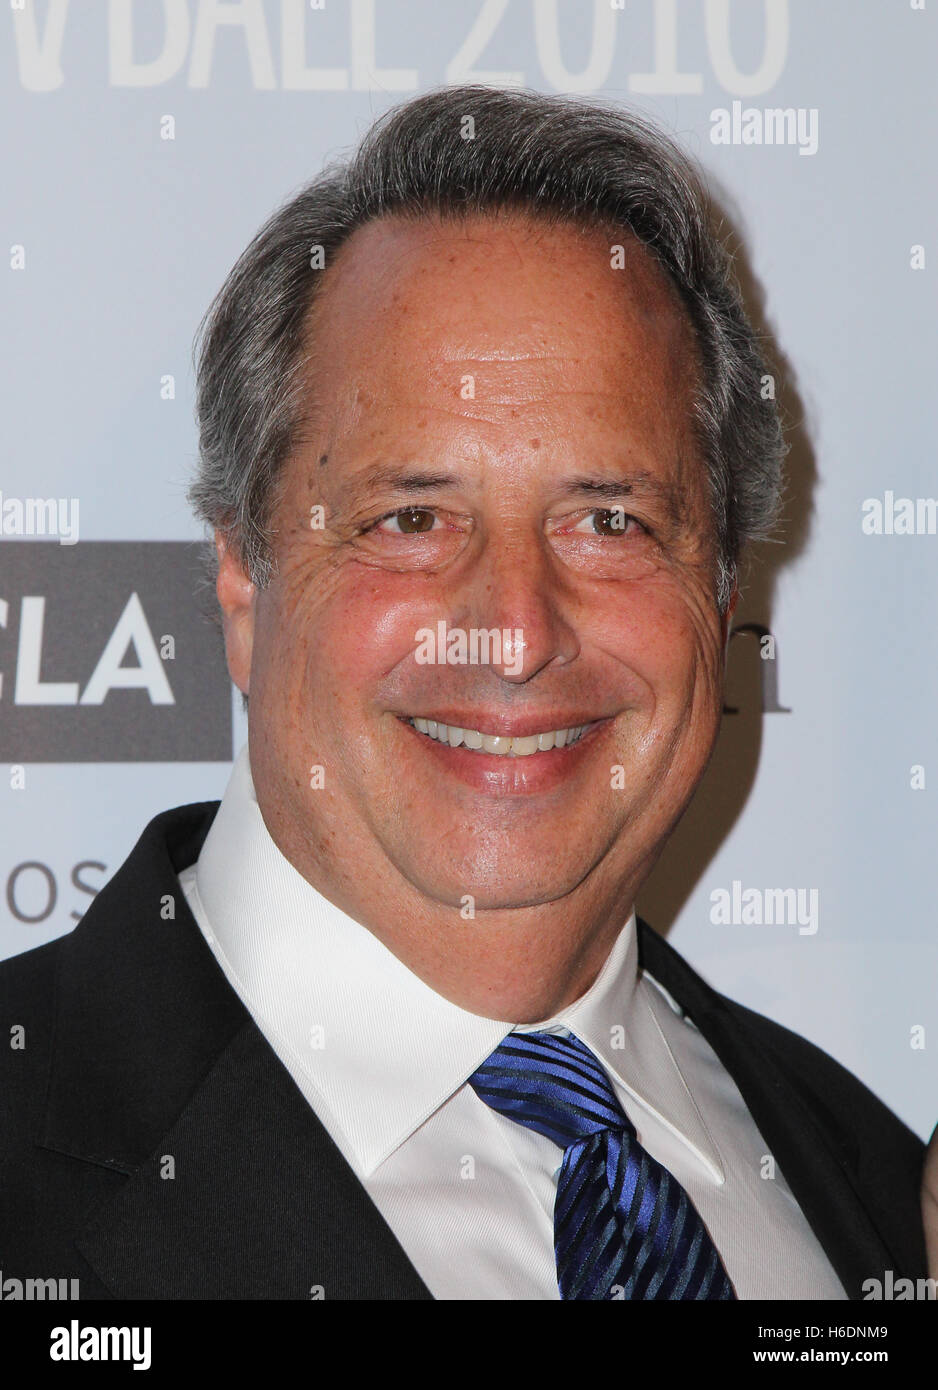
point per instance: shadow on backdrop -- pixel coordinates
(755, 688)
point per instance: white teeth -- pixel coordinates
(498, 743)
(493, 743)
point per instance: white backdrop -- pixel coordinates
(146, 142)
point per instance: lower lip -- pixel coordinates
(505, 775)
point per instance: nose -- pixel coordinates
(516, 589)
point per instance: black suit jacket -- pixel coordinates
(138, 1055)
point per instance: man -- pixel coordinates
(481, 439)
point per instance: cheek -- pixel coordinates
(671, 642)
(341, 633)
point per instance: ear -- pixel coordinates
(727, 619)
(236, 596)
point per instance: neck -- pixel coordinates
(519, 964)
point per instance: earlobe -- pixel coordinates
(236, 596)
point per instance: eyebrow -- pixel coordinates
(596, 486)
(410, 481)
(640, 483)
(407, 480)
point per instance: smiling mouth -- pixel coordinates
(498, 744)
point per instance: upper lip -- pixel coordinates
(501, 725)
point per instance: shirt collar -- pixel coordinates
(381, 1049)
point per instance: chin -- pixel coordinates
(493, 885)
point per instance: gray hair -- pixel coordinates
(553, 157)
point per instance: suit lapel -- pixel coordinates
(818, 1165)
(247, 1197)
(234, 1189)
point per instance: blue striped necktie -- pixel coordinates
(623, 1225)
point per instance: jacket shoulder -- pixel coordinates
(29, 975)
(29, 981)
(832, 1090)
(800, 1096)
(832, 1086)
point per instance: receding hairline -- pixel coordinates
(584, 228)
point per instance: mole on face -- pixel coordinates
(323, 460)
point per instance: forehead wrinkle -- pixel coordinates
(544, 374)
(500, 355)
(506, 400)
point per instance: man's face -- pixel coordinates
(501, 441)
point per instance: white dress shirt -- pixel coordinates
(383, 1061)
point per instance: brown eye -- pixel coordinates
(414, 520)
(610, 521)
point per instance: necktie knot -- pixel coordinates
(550, 1084)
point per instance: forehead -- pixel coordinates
(528, 302)
(571, 359)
